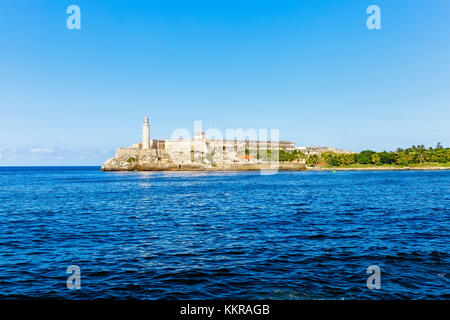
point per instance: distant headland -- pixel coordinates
(413, 158)
(242, 154)
(202, 154)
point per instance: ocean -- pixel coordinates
(214, 235)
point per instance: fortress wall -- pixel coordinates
(202, 150)
(196, 151)
(179, 151)
(208, 155)
(193, 154)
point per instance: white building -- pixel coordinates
(202, 149)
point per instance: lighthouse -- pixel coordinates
(146, 134)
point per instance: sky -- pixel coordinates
(311, 69)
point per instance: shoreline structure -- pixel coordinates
(201, 154)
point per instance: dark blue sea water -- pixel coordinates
(301, 235)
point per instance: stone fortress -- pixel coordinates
(200, 153)
(186, 151)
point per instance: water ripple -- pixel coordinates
(158, 235)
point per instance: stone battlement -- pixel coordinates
(199, 153)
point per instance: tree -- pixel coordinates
(346, 159)
(446, 154)
(375, 158)
(421, 154)
(387, 157)
(364, 157)
(330, 158)
(313, 160)
(403, 158)
(301, 155)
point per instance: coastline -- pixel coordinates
(378, 169)
(230, 168)
(137, 159)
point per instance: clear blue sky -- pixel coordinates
(310, 68)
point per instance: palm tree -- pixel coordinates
(313, 159)
(421, 153)
(375, 158)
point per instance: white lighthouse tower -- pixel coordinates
(146, 134)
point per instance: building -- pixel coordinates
(316, 150)
(200, 148)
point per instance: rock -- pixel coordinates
(136, 159)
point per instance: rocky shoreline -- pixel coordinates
(133, 159)
(236, 167)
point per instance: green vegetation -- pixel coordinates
(291, 156)
(416, 156)
(131, 159)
